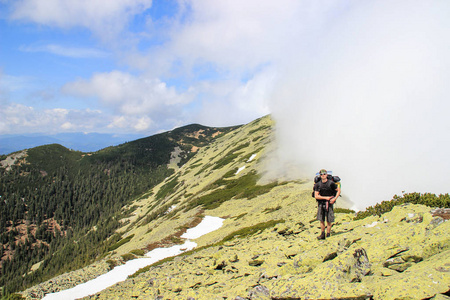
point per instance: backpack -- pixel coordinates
(330, 177)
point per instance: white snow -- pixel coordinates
(239, 170)
(251, 158)
(120, 273)
(171, 209)
(207, 225)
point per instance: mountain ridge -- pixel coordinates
(85, 142)
(78, 191)
(267, 246)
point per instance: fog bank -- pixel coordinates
(364, 91)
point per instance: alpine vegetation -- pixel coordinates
(266, 246)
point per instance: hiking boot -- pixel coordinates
(328, 234)
(322, 236)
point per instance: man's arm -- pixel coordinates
(338, 192)
(319, 197)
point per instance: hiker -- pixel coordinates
(326, 191)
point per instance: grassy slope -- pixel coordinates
(149, 224)
(138, 164)
(199, 178)
(278, 250)
(288, 249)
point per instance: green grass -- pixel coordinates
(203, 169)
(239, 216)
(243, 187)
(153, 215)
(251, 230)
(230, 173)
(263, 127)
(230, 156)
(193, 166)
(120, 243)
(166, 189)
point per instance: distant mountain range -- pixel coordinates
(85, 142)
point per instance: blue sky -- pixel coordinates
(352, 85)
(116, 66)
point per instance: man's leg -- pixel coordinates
(329, 228)
(322, 229)
(330, 219)
(321, 218)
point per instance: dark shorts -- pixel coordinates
(322, 213)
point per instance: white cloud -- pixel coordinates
(371, 103)
(235, 102)
(139, 124)
(130, 95)
(232, 36)
(104, 17)
(18, 118)
(143, 123)
(73, 52)
(356, 86)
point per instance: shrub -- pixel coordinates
(128, 256)
(138, 252)
(272, 209)
(343, 210)
(427, 199)
(230, 156)
(112, 263)
(243, 187)
(15, 297)
(120, 243)
(167, 188)
(251, 230)
(263, 127)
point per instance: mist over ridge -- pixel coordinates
(371, 104)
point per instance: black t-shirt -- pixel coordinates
(326, 188)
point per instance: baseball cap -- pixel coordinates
(323, 171)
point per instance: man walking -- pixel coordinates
(326, 192)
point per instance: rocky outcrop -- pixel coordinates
(404, 254)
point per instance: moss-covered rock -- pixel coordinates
(355, 262)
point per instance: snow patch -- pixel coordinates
(171, 208)
(120, 273)
(251, 158)
(239, 170)
(207, 225)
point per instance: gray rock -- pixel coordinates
(260, 292)
(359, 265)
